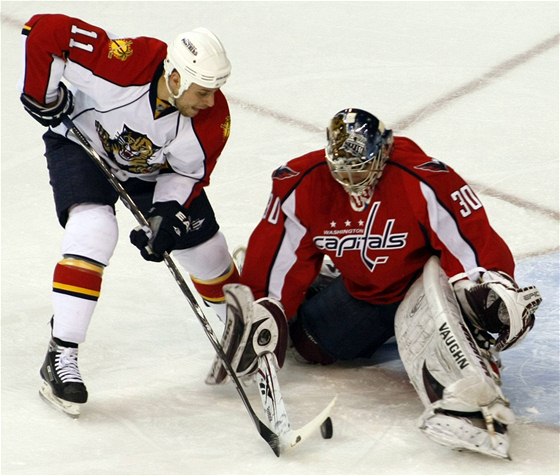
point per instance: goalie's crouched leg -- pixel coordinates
(464, 405)
(332, 326)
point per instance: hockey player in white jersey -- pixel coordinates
(155, 113)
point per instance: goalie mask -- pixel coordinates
(358, 146)
(199, 57)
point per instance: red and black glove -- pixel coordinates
(52, 114)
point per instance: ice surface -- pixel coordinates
(474, 83)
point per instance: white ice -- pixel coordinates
(467, 80)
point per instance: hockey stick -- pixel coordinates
(275, 410)
(269, 436)
(240, 303)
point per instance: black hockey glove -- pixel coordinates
(168, 223)
(50, 115)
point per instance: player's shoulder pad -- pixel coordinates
(290, 174)
(217, 112)
(408, 156)
(300, 166)
(214, 123)
(297, 172)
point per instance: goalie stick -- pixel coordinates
(259, 351)
(275, 410)
(265, 432)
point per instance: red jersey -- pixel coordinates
(420, 207)
(114, 81)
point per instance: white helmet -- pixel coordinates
(199, 57)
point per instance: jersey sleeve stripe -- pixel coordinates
(445, 227)
(286, 257)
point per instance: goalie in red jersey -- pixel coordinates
(155, 113)
(371, 238)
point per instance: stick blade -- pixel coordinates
(295, 437)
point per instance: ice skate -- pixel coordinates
(62, 386)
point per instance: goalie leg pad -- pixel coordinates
(447, 369)
(465, 432)
(252, 329)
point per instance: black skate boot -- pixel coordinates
(62, 383)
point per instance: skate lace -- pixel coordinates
(66, 365)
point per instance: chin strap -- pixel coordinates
(172, 97)
(184, 86)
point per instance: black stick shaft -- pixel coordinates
(269, 436)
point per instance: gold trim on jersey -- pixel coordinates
(161, 107)
(82, 264)
(223, 277)
(75, 289)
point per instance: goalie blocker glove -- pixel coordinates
(252, 329)
(168, 224)
(52, 114)
(497, 305)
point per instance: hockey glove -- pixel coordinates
(168, 224)
(50, 115)
(252, 329)
(499, 306)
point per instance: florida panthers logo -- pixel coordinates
(130, 149)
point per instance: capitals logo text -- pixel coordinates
(364, 240)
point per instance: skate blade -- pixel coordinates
(68, 408)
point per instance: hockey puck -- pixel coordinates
(327, 429)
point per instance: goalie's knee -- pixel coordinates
(465, 407)
(442, 359)
(304, 345)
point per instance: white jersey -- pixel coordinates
(114, 81)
